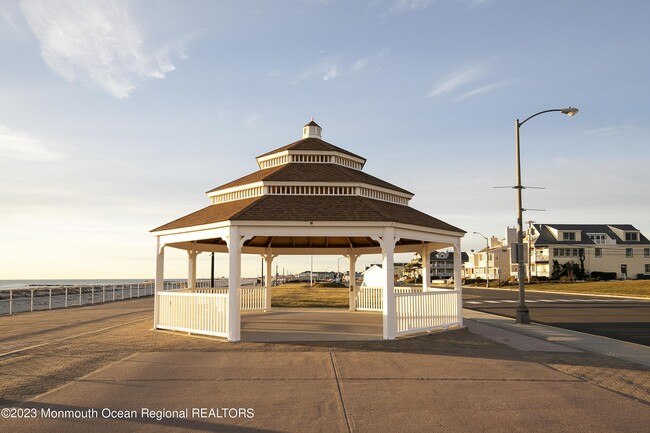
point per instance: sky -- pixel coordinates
(117, 116)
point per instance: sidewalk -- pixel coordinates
(580, 340)
(130, 378)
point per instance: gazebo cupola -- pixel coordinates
(311, 130)
(308, 167)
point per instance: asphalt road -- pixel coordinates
(622, 319)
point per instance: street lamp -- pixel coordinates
(523, 315)
(487, 260)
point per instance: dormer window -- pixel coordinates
(568, 236)
(598, 238)
(631, 236)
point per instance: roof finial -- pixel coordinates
(311, 130)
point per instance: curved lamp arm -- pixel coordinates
(569, 111)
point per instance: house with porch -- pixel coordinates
(309, 197)
(617, 248)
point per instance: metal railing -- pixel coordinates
(40, 298)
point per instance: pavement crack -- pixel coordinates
(338, 386)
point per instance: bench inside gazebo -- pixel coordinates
(308, 198)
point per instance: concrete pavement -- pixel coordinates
(459, 381)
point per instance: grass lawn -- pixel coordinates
(327, 295)
(322, 295)
(637, 288)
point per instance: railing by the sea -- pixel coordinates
(38, 298)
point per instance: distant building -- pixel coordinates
(493, 262)
(615, 248)
(442, 264)
(619, 248)
(398, 269)
(317, 276)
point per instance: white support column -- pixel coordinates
(234, 277)
(458, 282)
(390, 308)
(353, 281)
(268, 257)
(426, 268)
(191, 268)
(160, 280)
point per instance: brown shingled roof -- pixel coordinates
(312, 172)
(309, 208)
(312, 143)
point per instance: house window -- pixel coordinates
(629, 252)
(599, 252)
(647, 268)
(646, 252)
(568, 252)
(597, 238)
(631, 236)
(568, 236)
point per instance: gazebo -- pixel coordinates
(309, 197)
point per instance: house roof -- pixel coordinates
(464, 257)
(312, 143)
(315, 172)
(546, 237)
(309, 208)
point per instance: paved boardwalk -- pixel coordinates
(454, 381)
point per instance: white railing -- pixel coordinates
(38, 298)
(426, 311)
(408, 289)
(370, 298)
(218, 290)
(198, 313)
(218, 282)
(251, 298)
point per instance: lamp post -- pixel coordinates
(523, 315)
(487, 259)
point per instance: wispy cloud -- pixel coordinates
(21, 146)
(372, 62)
(97, 42)
(483, 89)
(468, 81)
(335, 68)
(250, 121)
(453, 81)
(411, 4)
(478, 3)
(611, 130)
(325, 71)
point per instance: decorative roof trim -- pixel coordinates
(261, 188)
(286, 157)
